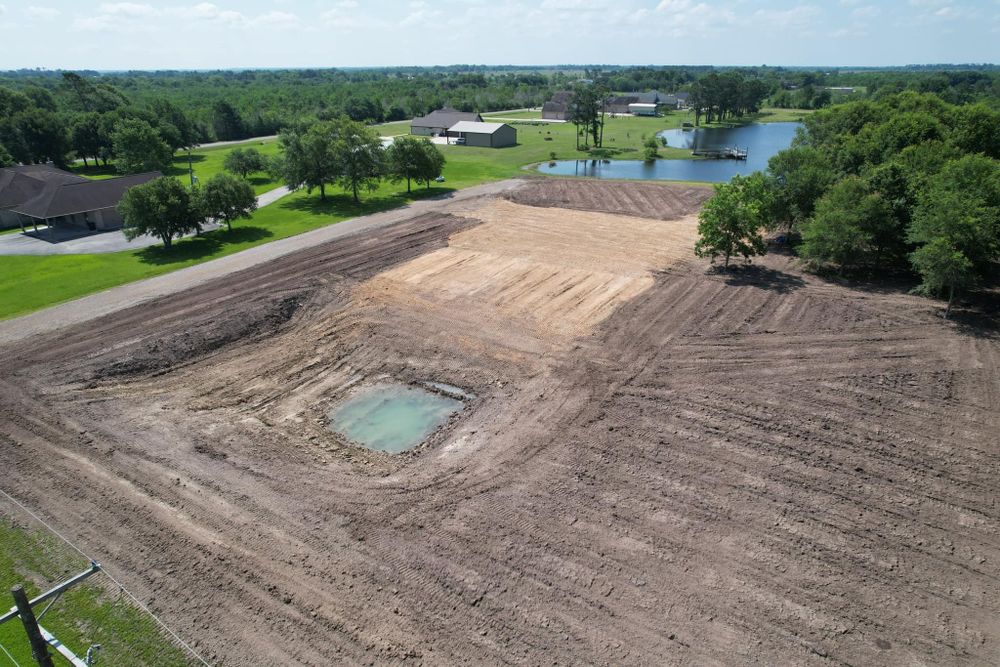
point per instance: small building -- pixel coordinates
(486, 135)
(558, 108)
(43, 193)
(436, 123)
(641, 109)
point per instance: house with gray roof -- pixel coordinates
(437, 122)
(31, 194)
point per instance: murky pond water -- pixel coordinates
(761, 141)
(391, 417)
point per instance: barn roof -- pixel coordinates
(476, 128)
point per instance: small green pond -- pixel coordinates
(391, 417)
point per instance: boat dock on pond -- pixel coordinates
(721, 153)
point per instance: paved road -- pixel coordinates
(76, 243)
(125, 296)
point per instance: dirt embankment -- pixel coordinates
(712, 469)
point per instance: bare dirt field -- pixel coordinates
(662, 464)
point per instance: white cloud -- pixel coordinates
(866, 12)
(796, 18)
(44, 13)
(128, 9)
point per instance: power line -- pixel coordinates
(7, 653)
(117, 583)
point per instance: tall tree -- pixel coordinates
(225, 197)
(43, 136)
(309, 159)
(227, 122)
(403, 159)
(731, 221)
(162, 207)
(430, 164)
(244, 161)
(851, 227)
(800, 176)
(85, 135)
(138, 147)
(360, 155)
(942, 267)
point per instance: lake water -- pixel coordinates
(761, 140)
(393, 417)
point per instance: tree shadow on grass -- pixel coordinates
(196, 248)
(343, 204)
(763, 278)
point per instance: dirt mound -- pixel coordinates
(660, 201)
(237, 324)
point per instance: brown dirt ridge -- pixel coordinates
(662, 465)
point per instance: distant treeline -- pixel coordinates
(56, 115)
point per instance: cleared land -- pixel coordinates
(716, 469)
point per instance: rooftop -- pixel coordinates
(476, 128)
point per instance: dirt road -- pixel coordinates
(759, 468)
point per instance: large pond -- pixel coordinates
(393, 417)
(761, 141)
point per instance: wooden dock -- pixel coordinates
(721, 153)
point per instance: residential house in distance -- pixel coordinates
(619, 103)
(42, 193)
(486, 135)
(436, 123)
(640, 109)
(558, 108)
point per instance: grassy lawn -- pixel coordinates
(206, 163)
(84, 615)
(527, 115)
(393, 129)
(33, 282)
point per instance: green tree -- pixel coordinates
(430, 165)
(406, 158)
(799, 177)
(851, 226)
(942, 267)
(6, 159)
(226, 122)
(139, 148)
(42, 135)
(244, 161)
(961, 204)
(587, 112)
(359, 153)
(225, 197)
(162, 207)
(308, 157)
(731, 221)
(85, 136)
(651, 149)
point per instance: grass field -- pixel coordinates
(206, 162)
(34, 282)
(84, 615)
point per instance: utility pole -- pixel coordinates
(190, 168)
(39, 647)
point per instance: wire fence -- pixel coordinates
(98, 621)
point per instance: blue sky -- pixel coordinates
(77, 34)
